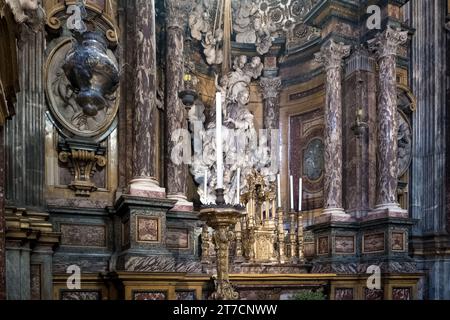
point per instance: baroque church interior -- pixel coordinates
(224, 149)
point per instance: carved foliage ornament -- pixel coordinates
(270, 87)
(331, 55)
(387, 43)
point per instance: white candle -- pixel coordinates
(219, 149)
(291, 178)
(205, 186)
(300, 194)
(238, 189)
(278, 191)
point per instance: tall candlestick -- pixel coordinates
(291, 178)
(238, 189)
(205, 186)
(219, 149)
(279, 190)
(300, 193)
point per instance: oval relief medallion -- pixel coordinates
(81, 85)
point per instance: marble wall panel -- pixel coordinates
(185, 295)
(80, 295)
(373, 242)
(81, 235)
(344, 244)
(323, 245)
(398, 241)
(35, 281)
(373, 294)
(148, 229)
(401, 294)
(149, 295)
(343, 294)
(178, 238)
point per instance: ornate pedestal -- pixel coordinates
(222, 219)
(142, 224)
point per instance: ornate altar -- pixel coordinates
(262, 236)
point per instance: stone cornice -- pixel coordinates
(23, 226)
(321, 12)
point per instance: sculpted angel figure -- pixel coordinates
(254, 68)
(221, 86)
(263, 35)
(199, 21)
(211, 45)
(243, 22)
(240, 138)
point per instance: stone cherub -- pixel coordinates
(211, 43)
(244, 22)
(263, 35)
(199, 21)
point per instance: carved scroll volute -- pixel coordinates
(82, 164)
(103, 16)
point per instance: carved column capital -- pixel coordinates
(176, 13)
(332, 54)
(387, 43)
(21, 8)
(270, 87)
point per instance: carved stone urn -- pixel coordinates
(93, 74)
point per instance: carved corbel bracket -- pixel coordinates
(83, 161)
(102, 16)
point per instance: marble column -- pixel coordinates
(2, 217)
(145, 121)
(385, 46)
(176, 172)
(331, 56)
(271, 101)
